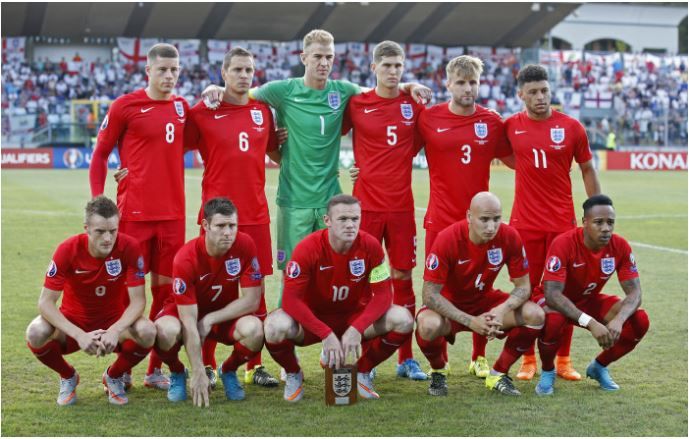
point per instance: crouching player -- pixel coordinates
(458, 293)
(100, 271)
(579, 264)
(338, 292)
(208, 271)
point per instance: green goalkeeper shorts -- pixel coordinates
(294, 224)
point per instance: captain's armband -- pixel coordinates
(379, 274)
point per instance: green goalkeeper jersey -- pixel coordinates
(310, 157)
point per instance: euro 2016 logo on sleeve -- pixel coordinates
(553, 264)
(432, 262)
(481, 130)
(113, 267)
(233, 266)
(52, 269)
(607, 265)
(557, 135)
(632, 261)
(357, 267)
(334, 100)
(293, 270)
(179, 108)
(179, 286)
(407, 111)
(257, 117)
(495, 256)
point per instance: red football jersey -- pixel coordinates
(212, 283)
(334, 285)
(385, 141)
(95, 289)
(467, 270)
(150, 137)
(233, 141)
(584, 272)
(543, 153)
(459, 150)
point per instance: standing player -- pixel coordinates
(208, 271)
(338, 292)
(96, 270)
(385, 142)
(311, 108)
(233, 141)
(458, 291)
(580, 262)
(148, 128)
(544, 143)
(461, 140)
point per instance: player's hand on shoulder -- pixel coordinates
(354, 173)
(212, 96)
(421, 93)
(281, 135)
(200, 388)
(334, 355)
(351, 345)
(120, 174)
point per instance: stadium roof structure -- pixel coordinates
(445, 24)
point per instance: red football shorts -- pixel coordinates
(398, 231)
(221, 332)
(490, 300)
(430, 239)
(159, 242)
(260, 233)
(597, 306)
(536, 244)
(87, 325)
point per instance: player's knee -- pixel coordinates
(167, 332)
(428, 325)
(401, 319)
(276, 326)
(147, 332)
(38, 332)
(640, 323)
(251, 328)
(533, 314)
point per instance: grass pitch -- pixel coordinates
(41, 208)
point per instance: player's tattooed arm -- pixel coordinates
(436, 302)
(520, 294)
(558, 302)
(630, 303)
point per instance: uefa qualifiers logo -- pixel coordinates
(73, 158)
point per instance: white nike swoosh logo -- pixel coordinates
(366, 110)
(220, 116)
(82, 271)
(519, 132)
(578, 265)
(204, 276)
(442, 130)
(144, 110)
(495, 268)
(326, 267)
(463, 261)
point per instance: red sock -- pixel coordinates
(129, 356)
(518, 341)
(283, 354)
(50, 354)
(549, 339)
(479, 346)
(381, 348)
(240, 355)
(403, 295)
(208, 352)
(171, 358)
(432, 350)
(254, 361)
(633, 331)
(565, 340)
(160, 293)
